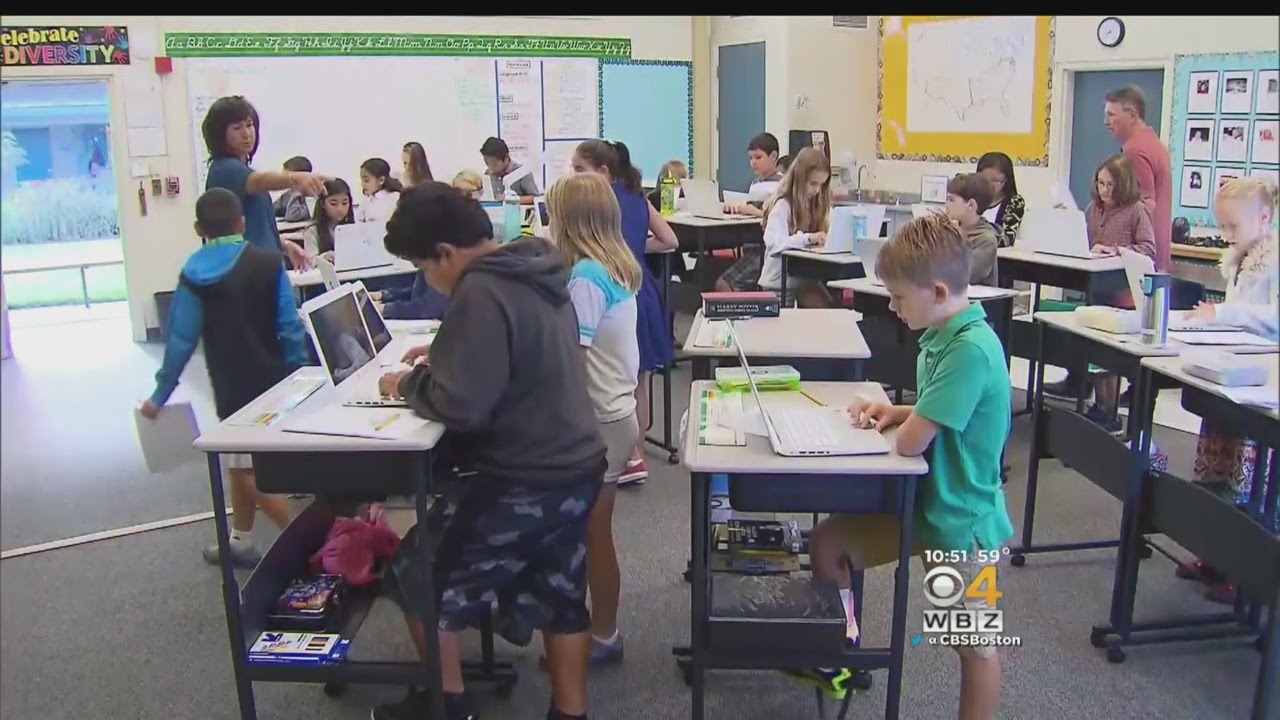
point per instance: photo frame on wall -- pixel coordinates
(1265, 148)
(1222, 174)
(1199, 139)
(1202, 93)
(1237, 92)
(1266, 98)
(1194, 189)
(1271, 174)
(1233, 141)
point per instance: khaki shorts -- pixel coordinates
(237, 461)
(620, 438)
(872, 541)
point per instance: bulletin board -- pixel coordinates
(1226, 107)
(955, 87)
(648, 104)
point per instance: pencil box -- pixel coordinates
(308, 603)
(768, 377)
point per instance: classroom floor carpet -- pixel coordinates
(133, 628)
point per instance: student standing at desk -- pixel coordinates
(506, 374)
(963, 410)
(222, 296)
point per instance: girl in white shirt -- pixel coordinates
(795, 218)
(381, 191)
(586, 224)
(1245, 209)
(332, 210)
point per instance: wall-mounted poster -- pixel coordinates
(1237, 92)
(1198, 144)
(1233, 141)
(1202, 93)
(1272, 175)
(65, 45)
(1195, 186)
(1222, 175)
(1265, 149)
(1266, 100)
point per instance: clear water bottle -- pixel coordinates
(510, 216)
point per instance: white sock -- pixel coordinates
(241, 537)
(851, 622)
(607, 641)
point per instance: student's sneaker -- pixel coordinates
(606, 652)
(1069, 388)
(1103, 419)
(1198, 570)
(1222, 593)
(635, 473)
(243, 554)
(833, 682)
(416, 706)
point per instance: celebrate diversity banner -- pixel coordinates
(314, 44)
(64, 45)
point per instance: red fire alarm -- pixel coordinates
(164, 65)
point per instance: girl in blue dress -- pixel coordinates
(639, 219)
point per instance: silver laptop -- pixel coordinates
(359, 246)
(797, 431)
(347, 351)
(1054, 231)
(702, 199)
(868, 250)
(840, 231)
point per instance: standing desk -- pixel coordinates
(895, 364)
(877, 484)
(343, 469)
(819, 266)
(1092, 276)
(1202, 398)
(702, 235)
(830, 334)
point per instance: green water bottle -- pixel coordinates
(667, 190)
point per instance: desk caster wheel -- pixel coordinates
(335, 689)
(1144, 552)
(1017, 560)
(1115, 655)
(861, 680)
(673, 459)
(1097, 638)
(503, 689)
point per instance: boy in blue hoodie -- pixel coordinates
(237, 299)
(417, 302)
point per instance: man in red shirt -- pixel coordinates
(1124, 114)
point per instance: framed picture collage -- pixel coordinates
(1226, 109)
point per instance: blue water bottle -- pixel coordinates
(510, 216)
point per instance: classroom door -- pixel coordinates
(1090, 141)
(741, 111)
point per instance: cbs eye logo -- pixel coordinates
(945, 587)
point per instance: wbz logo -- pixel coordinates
(945, 589)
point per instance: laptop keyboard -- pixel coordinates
(803, 428)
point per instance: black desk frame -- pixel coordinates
(813, 269)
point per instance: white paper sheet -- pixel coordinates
(1222, 338)
(376, 423)
(166, 441)
(1264, 396)
(146, 142)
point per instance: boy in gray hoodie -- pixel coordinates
(507, 379)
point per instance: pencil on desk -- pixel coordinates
(390, 419)
(816, 400)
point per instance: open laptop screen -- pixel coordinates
(378, 331)
(341, 337)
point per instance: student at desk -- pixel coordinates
(762, 155)
(416, 168)
(1245, 209)
(222, 298)
(657, 346)
(504, 171)
(381, 191)
(333, 210)
(1007, 206)
(796, 217)
(291, 206)
(968, 196)
(962, 418)
(505, 377)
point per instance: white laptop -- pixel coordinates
(328, 275)
(359, 246)
(868, 249)
(338, 328)
(1135, 267)
(541, 217)
(840, 231)
(810, 431)
(702, 199)
(1054, 231)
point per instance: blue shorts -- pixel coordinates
(523, 549)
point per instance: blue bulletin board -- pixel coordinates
(1225, 112)
(648, 105)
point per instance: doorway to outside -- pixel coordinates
(60, 243)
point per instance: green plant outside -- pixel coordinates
(49, 288)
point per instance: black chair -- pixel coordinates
(1239, 548)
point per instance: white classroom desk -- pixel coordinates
(820, 333)
(1171, 367)
(1092, 265)
(690, 220)
(1132, 343)
(978, 293)
(823, 267)
(304, 278)
(700, 235)
(890, 478)
(292, 227)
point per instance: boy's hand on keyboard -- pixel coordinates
(389, 384)
(873, 415)
(412, 357)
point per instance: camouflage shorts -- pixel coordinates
(524, 550)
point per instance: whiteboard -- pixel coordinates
(340, 111)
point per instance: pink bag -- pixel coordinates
(354, 547)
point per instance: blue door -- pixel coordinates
(741, 113)
(1090, 141)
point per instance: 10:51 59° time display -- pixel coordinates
(980, 556)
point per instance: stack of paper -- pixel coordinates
(716, 416)
(376, 423)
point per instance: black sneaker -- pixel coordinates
(416, 705)
(1068, 389)
(1103, 419)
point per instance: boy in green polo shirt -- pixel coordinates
(961, 419)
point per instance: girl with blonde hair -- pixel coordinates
(586, 224)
